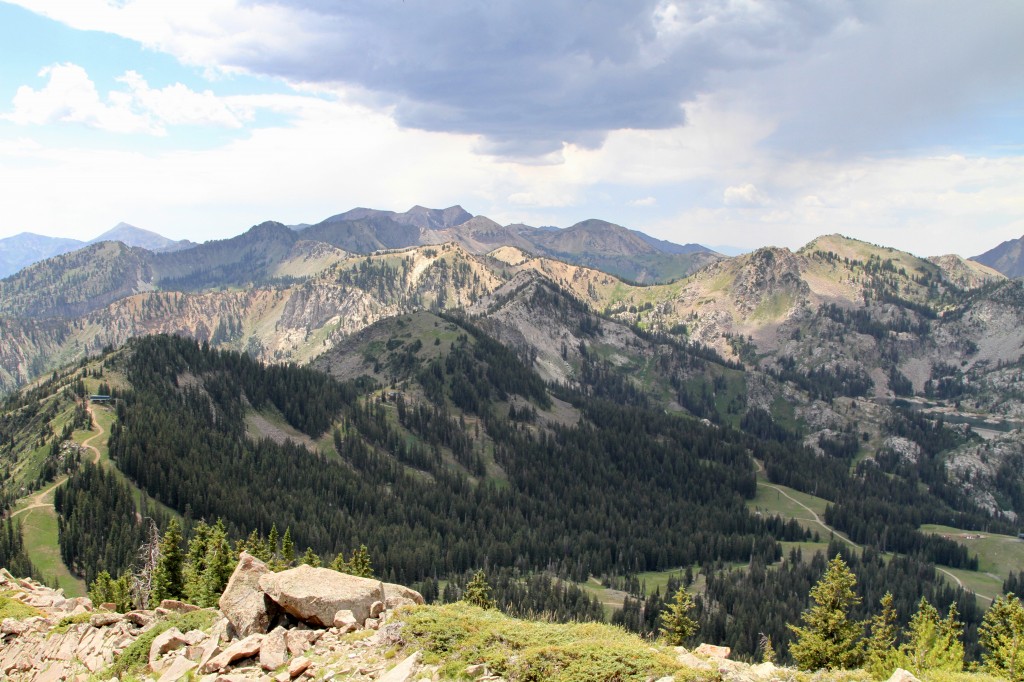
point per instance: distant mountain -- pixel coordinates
(136, 236)
(26, 248)
(1007, 258)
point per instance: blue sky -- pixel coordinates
(713, 121)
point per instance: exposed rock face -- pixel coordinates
(243, 603)
(316, 595)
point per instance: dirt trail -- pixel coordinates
(35, 501)
(817, 519)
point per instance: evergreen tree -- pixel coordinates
(676, 623)
(168, 580)
(1002, 636)
(478, 592)
(360, 564)
(933, 644)
(829, 638)
(106, 590)
(339, 563)
(287, 548)
(219, 562)
(881, 656)
(311, 558)
(195, 562)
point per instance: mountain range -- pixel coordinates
(24, 249)
(454, 392)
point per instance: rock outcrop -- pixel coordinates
(243, 603)
(316, 595)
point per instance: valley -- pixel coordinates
(476, 401)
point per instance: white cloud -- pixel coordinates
(744, 196)
(70, 96)
(646, 201)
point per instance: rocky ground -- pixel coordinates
(300, 624)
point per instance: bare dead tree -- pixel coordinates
(148, 556)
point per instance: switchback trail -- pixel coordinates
(35, 501)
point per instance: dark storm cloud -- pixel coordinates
(530, 75)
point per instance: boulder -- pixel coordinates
(243, 602)
(103, 619)
(168, 640)
(175, 606)
(298, 665)
(400, 595)
(315, 595)
(298, 641)
(712, 651)
(901, 675)
(274, 652)
(245, 648)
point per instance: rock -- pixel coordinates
(210, 650)
(168, 640)
(685, 658)
(175, 606)
(102, 620)
(274, 652)
(345, 620)
(666, 679)
(315, 595)
(10, 626)
(297, 641)
(477, 670)
(764, 670)
(179, 668)
(901, 675)
(108, 606)
(400, 595)
(404, 671)
(298, 665)
(140, 618)
(376, 608)
(371, 624)
(243, 601)
(250, 646)
(712, 651)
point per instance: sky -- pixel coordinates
(739, 123)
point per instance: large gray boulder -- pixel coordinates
(243, 603)
(315, 595)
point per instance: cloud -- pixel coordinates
(646, 201)
(744, 196)
(70, 96)
(526, 77)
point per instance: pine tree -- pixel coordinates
(168, 581)
(287, 548)
(829, 639)
(676, 624)
(933, 644)
(339, 563)
(219, 562)
(1002, 636)
(478, 592)
(360, 564)
(881, 656)
(195, 562)
(310, 558)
